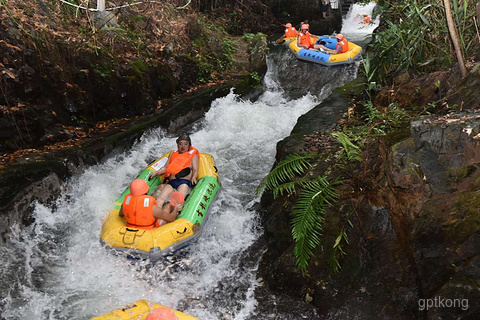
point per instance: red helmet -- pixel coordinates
(138, 187)
(288, 25)
(162, 313)
(339, 36)
(176, 198)
(305, 26)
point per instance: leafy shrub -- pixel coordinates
(416, 37)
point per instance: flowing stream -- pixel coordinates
(56, 268)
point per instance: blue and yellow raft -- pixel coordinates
(326, 59)
(158, 242)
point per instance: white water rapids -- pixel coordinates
(56, 268)
(353, 26)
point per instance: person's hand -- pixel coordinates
(151, 175)
(194, 180)
(178, 207)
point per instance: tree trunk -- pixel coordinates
(454, 36)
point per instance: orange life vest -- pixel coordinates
(343, 44)
(139, 211)
(290, 32)
(305, 39)
(179, 161)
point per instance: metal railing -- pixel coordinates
(101, 5)
(339, 4)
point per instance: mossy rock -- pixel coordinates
(452, 218)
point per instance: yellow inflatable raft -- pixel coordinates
(141, 309)
(155, 243)
(286, 39)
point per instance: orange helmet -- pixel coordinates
(305, 26)
(176, 198)
(138, 187)
(288, 25)
(339, 36)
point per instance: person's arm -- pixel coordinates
(164, 213)
(195, 165)
(338, 49)
(160, 171)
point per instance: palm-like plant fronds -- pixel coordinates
(285, 170)
(289, 187)
(309, 209)
(308, 218)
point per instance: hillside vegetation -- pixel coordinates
(67, 73)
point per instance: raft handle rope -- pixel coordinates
(122, 6)
(182, 232)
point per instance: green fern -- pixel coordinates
(308, 218)
(309, 209)
(337, 249)
(285, 170)
(289, 187)
(352, 151)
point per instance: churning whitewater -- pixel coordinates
(56, 267)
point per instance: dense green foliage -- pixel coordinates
(309, 209)
(314, 195)
(415, 36)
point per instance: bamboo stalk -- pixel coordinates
(475, 21)
(454, 36)
(478, 11)
(478, 19)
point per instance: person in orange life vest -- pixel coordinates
(290, 31)
(366, 19)
(181, 170)
(341, 47)
(304, 39)
(141, 210)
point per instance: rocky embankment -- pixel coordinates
(63, 80)
(413, 201)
